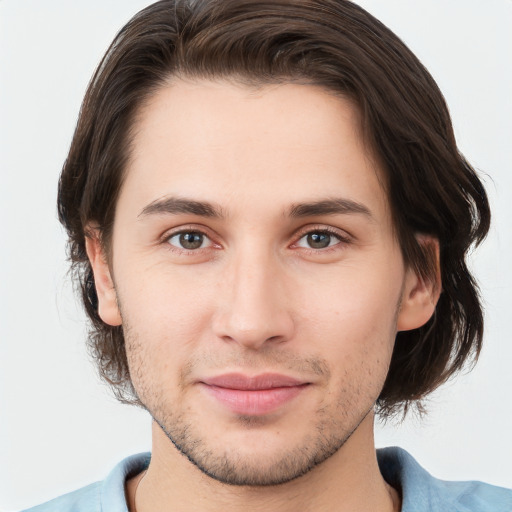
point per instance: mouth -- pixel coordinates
(253, 395)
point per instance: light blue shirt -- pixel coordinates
(421, 492)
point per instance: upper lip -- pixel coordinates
(244, 382)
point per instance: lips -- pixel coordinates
(253, 395)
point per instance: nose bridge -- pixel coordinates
(254, 309)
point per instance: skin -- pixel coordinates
(318, 297)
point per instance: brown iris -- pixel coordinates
(319, 240)
(191, 240)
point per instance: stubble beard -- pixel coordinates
(234, 470)
(333, 426)
(328, 433)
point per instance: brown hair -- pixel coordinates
(331, 43)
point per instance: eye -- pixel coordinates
(318, 240)
(189, 240)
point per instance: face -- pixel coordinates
(258, 279)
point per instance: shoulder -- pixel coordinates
(107, 495)
(422, 492)
(85, 499)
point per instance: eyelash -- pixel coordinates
(325, 230)
(184, 230)
(342, 239)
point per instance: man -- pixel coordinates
(269, 218)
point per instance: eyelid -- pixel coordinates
(185, 228)
(188, 228)
(323, 228)
(206, 241)
(343, 237)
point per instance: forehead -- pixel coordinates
(219, 140)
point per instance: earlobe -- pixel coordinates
(420, 295)
(108, 309)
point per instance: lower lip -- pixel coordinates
(255, 402)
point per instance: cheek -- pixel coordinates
(353, 322)
(351, 304)
(164, 321)
(356, 339)
(171, 302)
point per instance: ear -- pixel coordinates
(419, 296)
(108, 309)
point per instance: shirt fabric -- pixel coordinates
(420, 491)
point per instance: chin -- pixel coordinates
(253, 458)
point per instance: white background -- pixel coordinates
(59, 428)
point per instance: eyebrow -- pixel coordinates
(179, 205)
(334, 206)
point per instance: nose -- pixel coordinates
(253, 304)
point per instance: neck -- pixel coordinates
(349, 480)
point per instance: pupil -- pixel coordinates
(191, 240)
(319, 240)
